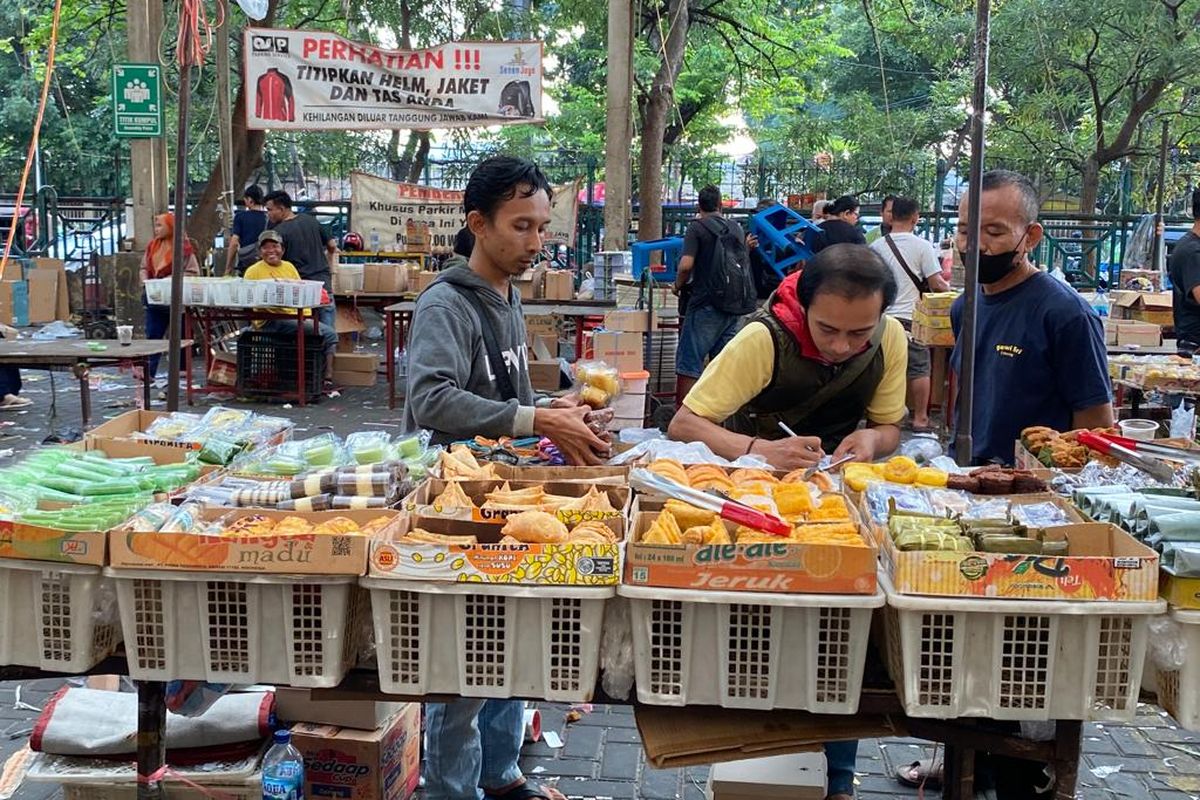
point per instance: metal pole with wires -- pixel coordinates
(1157, 242)
(963, 442)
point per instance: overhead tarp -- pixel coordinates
(313, 80)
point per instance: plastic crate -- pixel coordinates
(158, 291)
(1179, 690)
(227, 293)
(750, 650)
(71, 608)
(487, 641)
(267, 364)
(1016, 659)
(237, 628)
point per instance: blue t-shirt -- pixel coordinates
(247, 225)
(1039, 357)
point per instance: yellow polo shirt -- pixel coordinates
(744, 368)
(262, 271)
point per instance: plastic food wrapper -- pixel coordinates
(1182, 559)
(616, 649)
(172, 427)
(193, 698)
(597, 383)
(219, 451)
(1168, 645)
(949, 501)
(149, 519)
(223, 418)
(996, 508)
(684, 453)
(880, 495)
(1183, 422)
(369, 447)
(1040, 515)
(922, 448)
(183, 520)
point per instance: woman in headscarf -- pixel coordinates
(157, 263)
(840, 225)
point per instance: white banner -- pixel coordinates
(311, 80)
(409, 218)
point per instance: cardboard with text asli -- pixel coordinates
(783, 568)
(298, 554)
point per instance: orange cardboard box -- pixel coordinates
(784, 568)
(352, 764)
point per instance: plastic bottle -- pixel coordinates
(374, 240)
(1100, 303)
(283, 770)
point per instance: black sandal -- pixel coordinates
(926, 773)
(526, 791)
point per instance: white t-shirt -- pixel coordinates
(921, 259)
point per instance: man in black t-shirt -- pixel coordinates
(1184, 270)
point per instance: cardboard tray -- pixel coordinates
(490, 562)
(786, 567)
(421, 499)
(306, 554)
(123, 427)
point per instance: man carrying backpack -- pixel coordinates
(715, 272)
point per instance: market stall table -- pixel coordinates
(77, 355)
(207, 316)
(399, 315)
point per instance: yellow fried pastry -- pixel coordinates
(832, 508)
(595, 500)
(292, 525)
(535, 527)
(338, 526)
(900, 469)
(588, 537)
(376, 525)
(664, 530)
(713, 533)
(793, 499)
(745, 535)
(422, 536)
(670, 469)
(844, 533)
(748, 474)
(508, 540)
(709, 476)
(505, 495)
(688, 516)
(453, 497)
(822, 481)
(594, 528)
(749, 488)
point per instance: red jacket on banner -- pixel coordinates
(275, 101)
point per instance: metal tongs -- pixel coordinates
(1116, 446)
(1169, 452)
(735, 512)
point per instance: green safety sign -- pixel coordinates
(137, 100)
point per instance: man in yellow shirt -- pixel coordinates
(821, 358)
(272, 267)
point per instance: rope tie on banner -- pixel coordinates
(33, 142)
(164, 771)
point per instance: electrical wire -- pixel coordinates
(33, 141)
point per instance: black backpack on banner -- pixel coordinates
(727, 282)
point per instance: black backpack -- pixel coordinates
(728, 282)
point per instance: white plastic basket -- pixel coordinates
(1016, 659)
(226, 292)
(158, 291)
(235, 628)
(1179, 690)
(749, 649)
(487, 640)
(195, 291)
(71, 609)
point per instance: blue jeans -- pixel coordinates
(840, 758)
(705, 333)
(158, 322)
(472, 743)
(328, 335)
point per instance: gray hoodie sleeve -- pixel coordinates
(440, 361)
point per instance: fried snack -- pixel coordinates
(593, 397)
(588, 537)
(292, 525)
(535, 527)
(688, 516)
(931, 476)
(822, 481)
(752, 488)
(505, 495)
(900, 469)
(510, 541)
(709, 476)
(591, 529)
(832, 508)
(749, 474)
(795, 476)
(745, 535)
(793, 499)
(664, 530)
(857, 476)
(670, 469)
(843, 533)
(761, 502)
(460, 464)
(595, 500)
(1037, 437)
(553, 502)
(338, 526)
(422, 536)
(453, 497)
(376, 525)
(717, 533)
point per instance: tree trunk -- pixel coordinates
(1090, 190)
(203, 223)
(659, 104)
(420, 157)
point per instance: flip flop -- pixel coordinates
(13, 405)
(927, 772)
(526, 791)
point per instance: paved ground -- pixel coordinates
(602, 756)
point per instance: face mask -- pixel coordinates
(994, 267)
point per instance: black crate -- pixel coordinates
(267, 364)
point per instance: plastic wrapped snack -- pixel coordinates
(173, 427)
(1040, 515)
(949, 501)
(369, 447)
(597, 383)
(988, 509)
(219, 451)
(883, 497)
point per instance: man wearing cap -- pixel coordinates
(271, 267)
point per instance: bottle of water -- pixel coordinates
(1100, 303)
(374, 240)
(283, 770)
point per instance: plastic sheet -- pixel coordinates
(1040, 515)
(616, 649)
(1182, 559)
(880, 496)
(1168, 645)
(1183, 422)
(922, 448)
(684, 453)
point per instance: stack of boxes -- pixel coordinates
(931, 319)
(34, 291)
(622, 344)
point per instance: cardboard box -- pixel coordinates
(13, 270)
(546, 376)
(348, 764)
(932, 320)
(347, 319)
(305, 554)
(43, 296)
(298, 705)
(421, 500)
(621, 350)
(933, 337)
(123, 427)
(797, 776)
(1111, 326)
(1179, 592)
(1139, 334)
(385, 278)
(345, 343)
(559, 285)
(1155, 307)
(934, 302)
(491, 562)
(525, 285)
(424, 279)
(62, 294)
(355, 369)
(1105, 563)
(630, 320)
(782, 568)
(14, 303)
(1131, 278)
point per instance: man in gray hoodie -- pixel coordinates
(468, 375)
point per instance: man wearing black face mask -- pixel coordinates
(1039, 347)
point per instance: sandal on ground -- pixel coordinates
(927, 772)
(840, 796)
(526, 791)
(15, 403)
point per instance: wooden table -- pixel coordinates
(1167, 348)
(397, 315)
(77, 355)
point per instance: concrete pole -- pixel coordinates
(619, 129)
(148, 157)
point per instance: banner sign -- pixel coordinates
(312, 80)
(410, 218)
